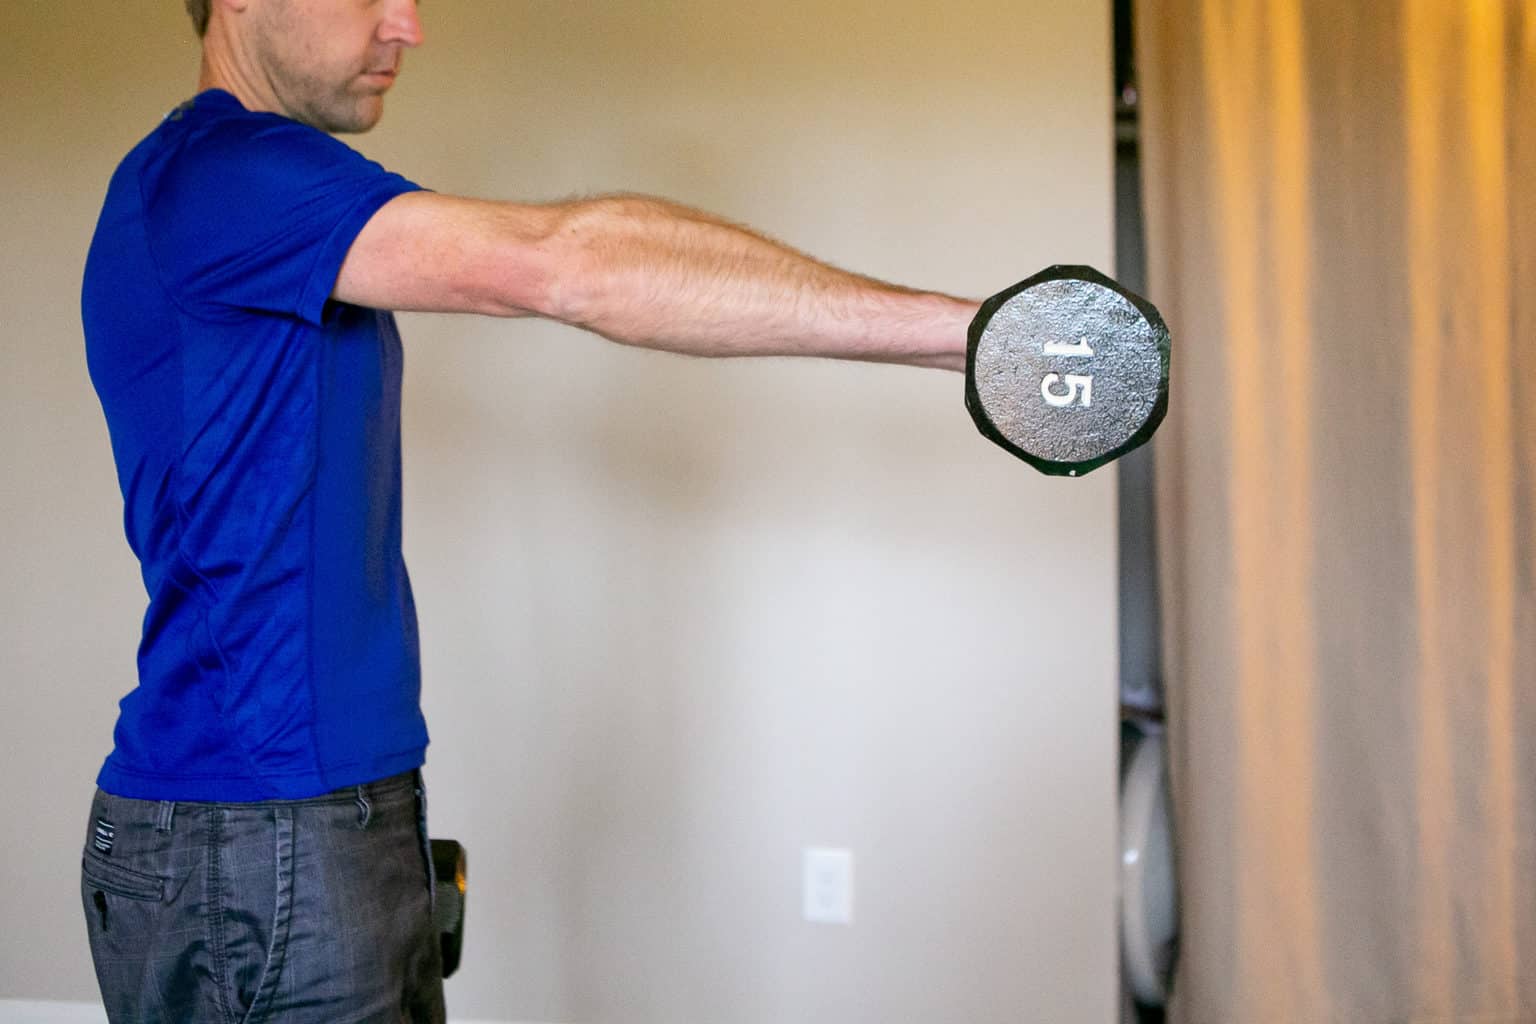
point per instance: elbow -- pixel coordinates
(587, 246)
(535, 267)
(522, 291)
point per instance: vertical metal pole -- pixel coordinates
(1141, 683)
(1141, 652)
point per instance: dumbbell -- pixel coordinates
(1067, 370)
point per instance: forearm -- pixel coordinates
(646, 272)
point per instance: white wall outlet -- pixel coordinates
(828, 885)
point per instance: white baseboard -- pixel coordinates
(20, 1011)
(16, 1011)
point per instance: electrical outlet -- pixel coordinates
(828, 885)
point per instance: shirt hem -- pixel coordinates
(137, 785)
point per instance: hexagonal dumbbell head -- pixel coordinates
(1067, 370)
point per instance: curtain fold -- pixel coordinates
(1342, 235)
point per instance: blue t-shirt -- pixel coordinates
(255, 424)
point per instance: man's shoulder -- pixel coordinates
(212, 139)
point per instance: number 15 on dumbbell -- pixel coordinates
(1067, 370)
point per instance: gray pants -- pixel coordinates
(311, 911)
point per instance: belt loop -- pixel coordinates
(364, 808)
(167, 812)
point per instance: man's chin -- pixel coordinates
(363, 114)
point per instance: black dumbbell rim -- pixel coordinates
(1060, 272)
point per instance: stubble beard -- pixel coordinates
(329, 106)
(329, 103)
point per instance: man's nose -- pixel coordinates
(402, 24)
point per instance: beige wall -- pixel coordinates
(680, 618)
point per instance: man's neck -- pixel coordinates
(223, 68)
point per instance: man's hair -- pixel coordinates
(198, 9)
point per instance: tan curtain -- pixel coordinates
(1341, 210)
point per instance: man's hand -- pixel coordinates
(646, 272)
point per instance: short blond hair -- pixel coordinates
(198, 10)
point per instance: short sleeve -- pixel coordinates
(257, 212)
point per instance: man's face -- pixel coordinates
(329, 62)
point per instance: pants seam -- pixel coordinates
(282, 915)
(221, 984)
(425, 842)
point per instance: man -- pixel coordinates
(256, 847)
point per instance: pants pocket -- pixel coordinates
(124, 911)
(120, 903)
(121, 881)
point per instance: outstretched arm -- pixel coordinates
(646, 272)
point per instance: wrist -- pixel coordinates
(939, 336)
